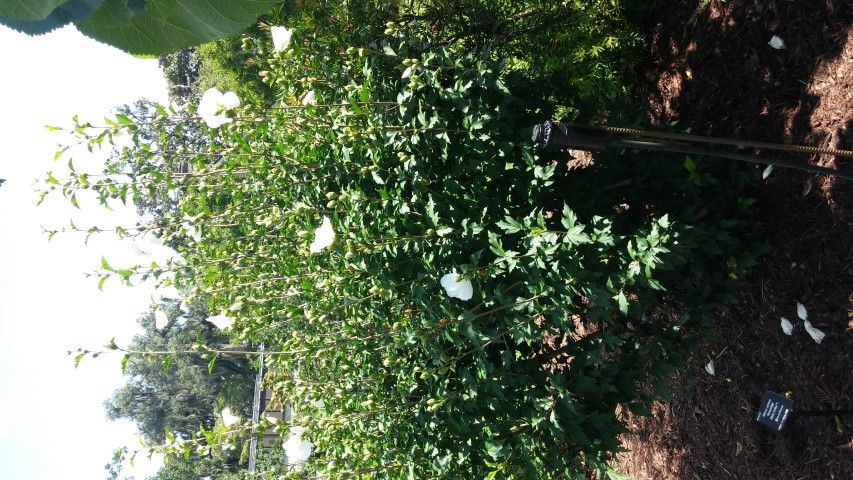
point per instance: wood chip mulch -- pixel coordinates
(711, 69)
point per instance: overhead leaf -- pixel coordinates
(61, 15)
(29, 9)
(165, 26)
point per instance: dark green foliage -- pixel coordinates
(588, 286)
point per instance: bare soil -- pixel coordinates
(711, 69)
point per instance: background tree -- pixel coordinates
(115, 466)
(194, 388)
(181, 71)
(183, 469)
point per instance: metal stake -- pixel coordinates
(562, 136)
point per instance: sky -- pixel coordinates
(52, 423)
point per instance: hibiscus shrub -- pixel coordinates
(437, 297)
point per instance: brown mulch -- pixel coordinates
(711, 69)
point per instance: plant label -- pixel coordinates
(774, 410)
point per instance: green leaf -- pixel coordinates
(29, 9)
(79, 358)
(576, 236)
(389, 51)
(494, 448)
(165, 26)
(124, 361)
(42, 17)
(509, 225)
(623, 303)
(123, 119)
(569, 218)
(210, 365)
(167, 360)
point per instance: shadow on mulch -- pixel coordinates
(711, 69)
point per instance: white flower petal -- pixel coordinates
(801, 312)
(407, 72)
(221, 321)
(309, 97)
(230, 100)
(228, 418)
(816, 334)
(324, 236)
(212, 103)
(776, 43)
(160, 319)
(297, 449)
(273, 420)
(281, 38)
(709, 367)
(461, 289)
(767, 172)
(787, 326)
(319, 403)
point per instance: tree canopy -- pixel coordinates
(183, 398)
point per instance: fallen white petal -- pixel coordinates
(221, 321)
(767, 172)
(461, 289)
(787, 326)
(816, 334)
(160, 319)
(709, 367)
(324, 236)
(228, 418)
(801, 312)
(776, 42)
